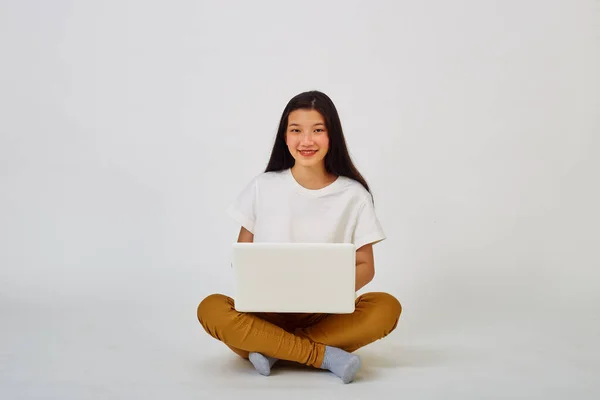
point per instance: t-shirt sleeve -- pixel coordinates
(368, 228)
(243, 209)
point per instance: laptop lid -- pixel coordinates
(294, 277)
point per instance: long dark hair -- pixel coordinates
(337, 159)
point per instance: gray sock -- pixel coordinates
(343, 364)
(262, 363)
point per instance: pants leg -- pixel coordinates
(275, 319)
(376, 316)
(246, 332)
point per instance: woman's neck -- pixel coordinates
(312, 178)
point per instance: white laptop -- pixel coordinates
(294, 277)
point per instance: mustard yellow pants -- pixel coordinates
(295, 337)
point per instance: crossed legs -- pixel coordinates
(301, 338)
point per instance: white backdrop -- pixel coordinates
(127, 127)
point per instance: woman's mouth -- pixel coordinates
(307, 153)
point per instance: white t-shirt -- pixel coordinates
(276, 209)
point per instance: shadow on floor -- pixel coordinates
(403, 356)
(393, 357)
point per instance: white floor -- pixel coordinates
(100, 351)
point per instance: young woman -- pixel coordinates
(310, 192)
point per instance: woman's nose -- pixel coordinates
(306, 137)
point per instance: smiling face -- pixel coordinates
(307, 138)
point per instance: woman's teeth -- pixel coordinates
(307, 152)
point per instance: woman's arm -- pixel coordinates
(245, 236)
(365, 266)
